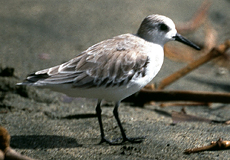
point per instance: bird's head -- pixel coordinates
(160, 29)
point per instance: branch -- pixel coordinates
(6, 152)
(220, 144)
(215, 52)
(145, 96)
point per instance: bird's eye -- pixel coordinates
(163, 27)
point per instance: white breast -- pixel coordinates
(156, 58)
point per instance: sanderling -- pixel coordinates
(114, 68)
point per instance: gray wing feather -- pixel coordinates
(109, 63)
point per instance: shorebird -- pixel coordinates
(114, 68)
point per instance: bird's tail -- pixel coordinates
(33, 79)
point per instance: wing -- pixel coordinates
(112, 62)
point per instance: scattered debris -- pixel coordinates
(218, 145)
(223, 61)
(145, 96)
(6, 152)
(169, 104)
(215, 52)
(184, 117)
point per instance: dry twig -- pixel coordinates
(169, 104)
(6, 152)
(215, 52)
(218, 145)
(145, 96)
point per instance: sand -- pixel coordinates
(48, 125)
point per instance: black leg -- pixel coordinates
(115, 112)
(98, 111)
(125, 138)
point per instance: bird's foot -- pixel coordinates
(134, 140)
(105, 140)
(126, 139)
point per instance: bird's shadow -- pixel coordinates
(43, 141)
(79, 116)
(48, 141)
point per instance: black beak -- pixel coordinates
(181, 39)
